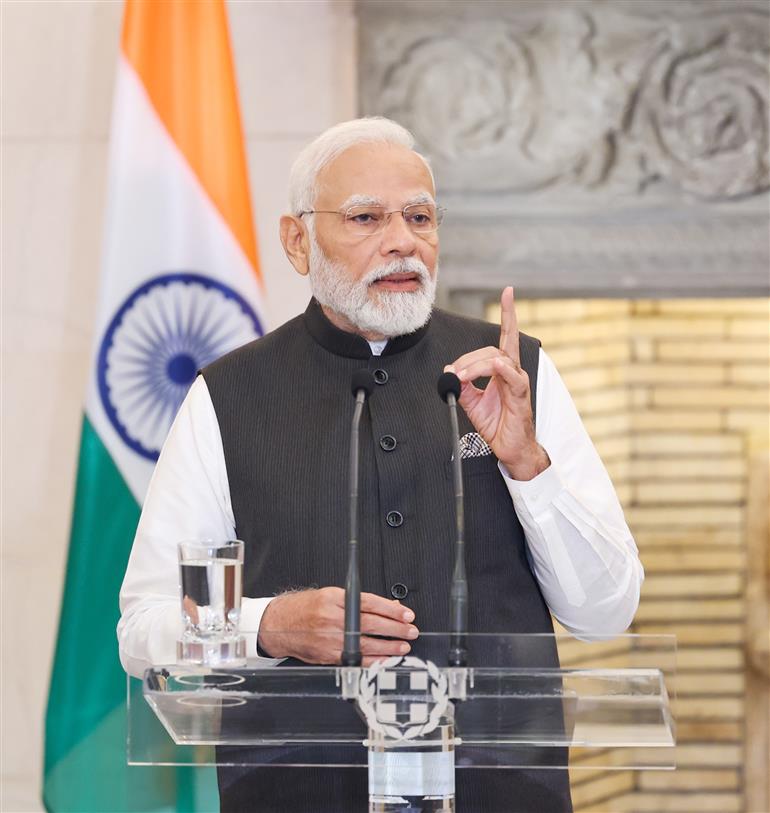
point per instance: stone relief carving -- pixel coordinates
(625, 98)
(702, 107)
(480, 92)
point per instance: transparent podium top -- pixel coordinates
(523, 700)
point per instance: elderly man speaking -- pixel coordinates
(258, 452)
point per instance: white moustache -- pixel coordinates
(406, 265)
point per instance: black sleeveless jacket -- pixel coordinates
(283, 405)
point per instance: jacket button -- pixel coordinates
(381, 376)
(388, 443)
(399, 590)
(394, 519)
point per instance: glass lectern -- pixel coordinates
(534, 701)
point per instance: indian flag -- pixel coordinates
(180, 286)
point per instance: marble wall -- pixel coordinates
(296, 70)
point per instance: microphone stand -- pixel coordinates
(362, 387)
(449, 390)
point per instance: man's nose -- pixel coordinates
(397, 236)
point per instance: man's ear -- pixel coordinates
(296, 244)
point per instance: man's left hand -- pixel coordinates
(502, 413)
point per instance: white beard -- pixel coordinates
(384, 313)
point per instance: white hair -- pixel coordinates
(333, 142)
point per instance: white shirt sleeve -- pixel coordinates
(188, 498)
(580, 548)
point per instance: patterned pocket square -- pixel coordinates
(473, 445)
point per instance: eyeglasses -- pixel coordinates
(364, 221)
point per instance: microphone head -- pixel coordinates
(448, 383)
(362, 380)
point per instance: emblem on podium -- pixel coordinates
(403, 698)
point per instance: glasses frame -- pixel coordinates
(440, 211)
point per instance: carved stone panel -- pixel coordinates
(625, 140)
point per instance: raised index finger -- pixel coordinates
(509, 326)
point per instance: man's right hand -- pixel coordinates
(308, 625)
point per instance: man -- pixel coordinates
(259, 451)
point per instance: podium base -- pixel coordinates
(416, 777)
(423, 804)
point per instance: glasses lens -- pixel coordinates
(365, 219)
(420, 217)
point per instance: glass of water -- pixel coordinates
(210, 578)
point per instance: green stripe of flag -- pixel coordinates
(87, 681)
(85, 748)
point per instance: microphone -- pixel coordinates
(362, 386)
(449, 389)
(362, 380)
(448, 384)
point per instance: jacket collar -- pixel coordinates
(351, 345)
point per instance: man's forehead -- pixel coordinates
(378, 172)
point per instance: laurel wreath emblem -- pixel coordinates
(367, 697)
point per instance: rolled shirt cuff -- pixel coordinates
(536, 495)
(252, 610)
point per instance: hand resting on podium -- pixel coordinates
(308, 625)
